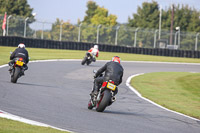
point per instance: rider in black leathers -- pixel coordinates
(113, 71)
(20, 52)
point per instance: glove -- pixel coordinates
(95, 76)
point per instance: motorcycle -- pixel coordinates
(105, 96)
(88, 59)
(18, 69)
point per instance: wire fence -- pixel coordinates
(120, 35)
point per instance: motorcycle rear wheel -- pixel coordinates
(104, 101)
(88, 62)
(15, 77)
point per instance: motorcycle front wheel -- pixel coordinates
(84, 61)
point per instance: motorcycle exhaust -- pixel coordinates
(113, 99)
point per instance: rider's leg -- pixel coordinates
(97, 84)
(11, 63)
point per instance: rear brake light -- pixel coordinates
(21, 59)
(112, 82)
(104, 84)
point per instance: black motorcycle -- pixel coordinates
(17, 69)
(105, 96)
(88, 59)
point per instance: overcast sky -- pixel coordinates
(72, 10)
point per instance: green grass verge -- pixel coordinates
(42, 54)
(179, 91)
(10, 126)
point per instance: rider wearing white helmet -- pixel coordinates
(21, 45)
(20, 52)
(94, 52)
(95, 46)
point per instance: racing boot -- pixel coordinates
(93, 95)
(11, 67)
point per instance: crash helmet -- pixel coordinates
(95, 46)
(21, 45)
(116, 59)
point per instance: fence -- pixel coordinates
(41, 43)
(117, 35)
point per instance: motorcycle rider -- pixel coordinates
(20, 52)
(113, 71)
(94, 52)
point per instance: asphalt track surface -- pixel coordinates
(57, 93)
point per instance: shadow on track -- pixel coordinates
(122, 113)
(155, 117)
(92, 65)
(30, 84)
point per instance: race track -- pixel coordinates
(57, 93)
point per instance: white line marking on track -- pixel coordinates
(4, 114)
(139, 95)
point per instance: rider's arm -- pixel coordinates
(101, 70)
(120, 79)
(90, 50)
(97, 55)
(12, 56)
(27, 58)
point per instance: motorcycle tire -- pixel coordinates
(90, 105)
(84, 61)
(104, 101)
(15, 77)
(88, 62)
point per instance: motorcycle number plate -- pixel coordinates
(111, 86)
(19, 63)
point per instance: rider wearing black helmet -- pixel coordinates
(113, 71)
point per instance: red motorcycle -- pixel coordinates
(18, 70)
(105, 97)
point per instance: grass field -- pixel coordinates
(179, 91)
(41, 54)
(9, 126)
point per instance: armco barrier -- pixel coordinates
(40, 43)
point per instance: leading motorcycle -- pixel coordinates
(88, 59)
(17, 70)
(105, 96)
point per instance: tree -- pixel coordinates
(147, 16)
(98, 15)
(194, 24)
(17, 8)
(95, 16)
(69, 31)
(91, 5)
(102, 17)
(182, 17)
